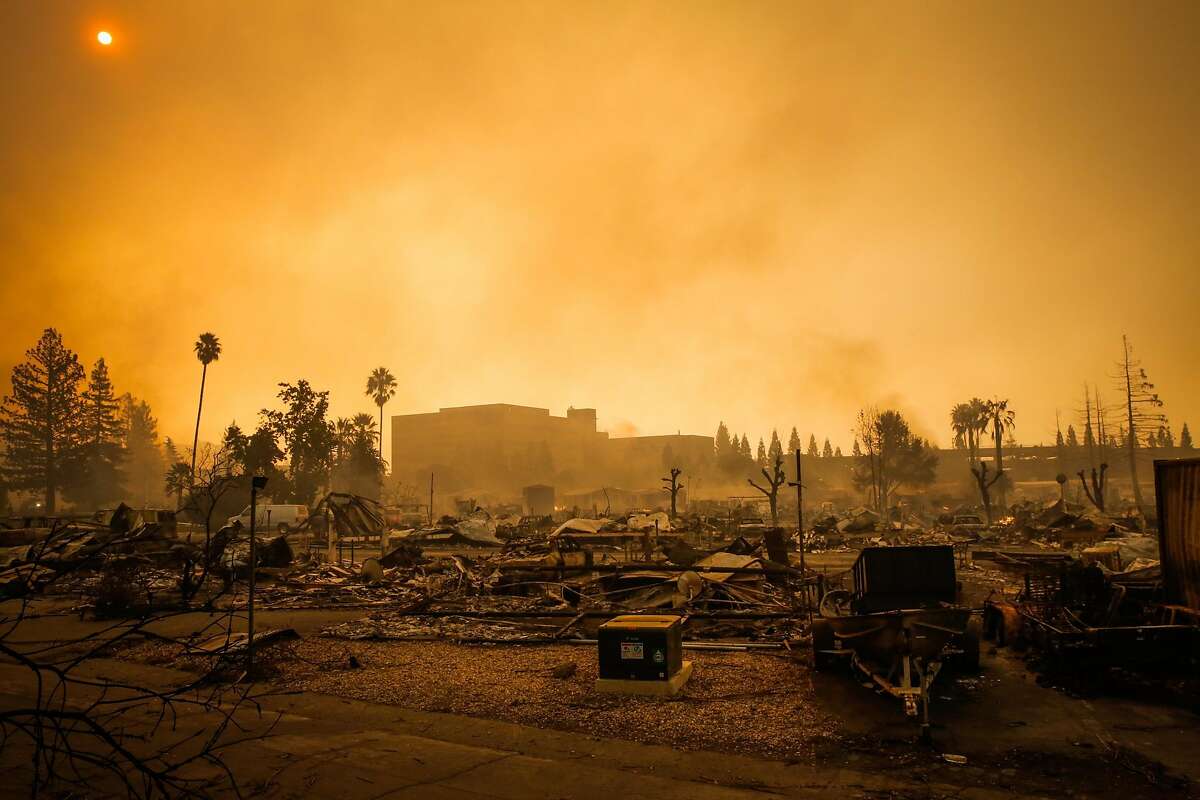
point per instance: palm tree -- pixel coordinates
(343, 431)
(362, 425)
(208, 350)
(381, 387)
(968, 420)
(1000, 419)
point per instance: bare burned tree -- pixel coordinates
(88, 733)
(985, 486)
(1095, 493)
(775, 478)
(671, 486)
(214, 478)
(1141, 411)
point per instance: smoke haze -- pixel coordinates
(677, 213)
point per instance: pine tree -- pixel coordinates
(827, 450)
(837, 452)
(762, 453)
(812, 445)
(775, 449)
(744, 447)
(1185, 438)
(235, 443)
(793, 443)
(1072, 437)
(97, 475)
(723, 445)
(170, 451)
(144, 462)
(39, 421)
(856, 451)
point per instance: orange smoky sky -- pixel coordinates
(764, 213)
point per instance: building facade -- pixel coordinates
(502, 447)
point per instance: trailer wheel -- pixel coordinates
(822, 639)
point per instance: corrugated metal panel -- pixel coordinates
(1177, 484)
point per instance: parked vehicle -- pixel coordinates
(275, 517)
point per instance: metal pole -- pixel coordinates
(250, 599)
(799, 509)
(431, 499)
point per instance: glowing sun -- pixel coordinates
(104, 38)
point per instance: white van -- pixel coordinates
(273, 518)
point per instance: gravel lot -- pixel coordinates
(746, 702)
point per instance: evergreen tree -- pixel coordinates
(1167, 438)
(235, 442)
(744, 447)
(812, 445)
(856, 451)
(776, 447)
(1058, 440)
(827, 450)
(144, 462)
(39, 421)
(1185, 438)
(723, 445)
(1072, 437)
(793, 443)
(837, 452)
(762, 453)
(170, 451)
(96, 474)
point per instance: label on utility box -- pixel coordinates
(631, 651)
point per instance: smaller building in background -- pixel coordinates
(538, 500)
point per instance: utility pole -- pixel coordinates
(799, 509)
(431, 499)
(257, 482)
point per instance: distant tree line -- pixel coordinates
(734, 455)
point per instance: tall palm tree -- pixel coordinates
(1000, 420)
(208, 350)
(381, 387)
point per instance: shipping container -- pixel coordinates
(1177, 485)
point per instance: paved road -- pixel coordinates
(324, 746)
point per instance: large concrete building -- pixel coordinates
(502, 447)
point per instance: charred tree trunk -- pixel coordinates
(196, 435)
(1095, 493)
